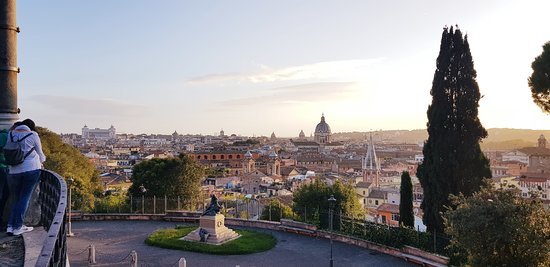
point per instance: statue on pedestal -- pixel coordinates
(212, 229)
(213, 208)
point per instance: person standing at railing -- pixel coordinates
(23, 177)
(4, 192)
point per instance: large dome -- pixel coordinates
(322, 127)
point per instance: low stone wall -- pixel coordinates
(254, 224)
(360, 243)
(118, 217)
(426, 255)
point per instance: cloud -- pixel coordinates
(89, 107)
(298, 94)
(341, 70)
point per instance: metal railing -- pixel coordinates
(53, 201)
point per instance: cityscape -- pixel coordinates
(274, 134)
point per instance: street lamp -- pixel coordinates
(70, 182)
(331, 202)
(142, 190)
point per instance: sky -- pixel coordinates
(253, 68)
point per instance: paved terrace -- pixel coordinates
(114, 240)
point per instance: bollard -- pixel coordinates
(134, 260)
(91, 254)
(182, 263)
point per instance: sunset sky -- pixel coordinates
(252, 67)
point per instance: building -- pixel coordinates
(516, 155)
(539, 157)
(363, 190)
(535, 184)
(301, 135)
(323, 135)
(99, 134)
(388, 214)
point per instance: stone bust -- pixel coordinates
(213, 208)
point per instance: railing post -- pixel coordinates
(281, 210)
(340, 220)
(155, 204)
(91, 254)
(178, 202)
(435, 242)
(69, 203)
(131, 203)
(165, 204)
(142, 204)
(134, 260)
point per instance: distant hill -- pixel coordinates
(499, 138)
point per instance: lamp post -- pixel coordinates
(70, 182)
(331, 202)
(142, 189)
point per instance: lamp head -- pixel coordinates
(331, 201)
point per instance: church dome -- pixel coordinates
(273, 155)
(322, 127)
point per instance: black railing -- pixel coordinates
(53, 201)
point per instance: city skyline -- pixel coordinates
(255, 69)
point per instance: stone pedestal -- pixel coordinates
(218, 233)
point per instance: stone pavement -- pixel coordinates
(12, 250)
(21, 250)
(114, 240)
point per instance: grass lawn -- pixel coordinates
(249, 242)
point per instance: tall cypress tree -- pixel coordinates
(453, 161)
(406, 215)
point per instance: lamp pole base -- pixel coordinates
(7, 120)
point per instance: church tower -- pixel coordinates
(542, 141)
(249, 164)
(371, 165)
(274, 164)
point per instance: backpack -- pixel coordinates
(3, 140)
(13, 151)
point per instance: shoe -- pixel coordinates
(21, 230)
(9, 230)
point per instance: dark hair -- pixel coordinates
(17, 123)
(29, 123)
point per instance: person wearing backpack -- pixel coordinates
(4, 192)
(23, 176)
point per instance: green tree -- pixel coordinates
(177, 176)
(312, 199)
(406, 214)
(453, 161)
(274, 210)
(67, 161)
(540, 79)
(114, 202)
(496, 227)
